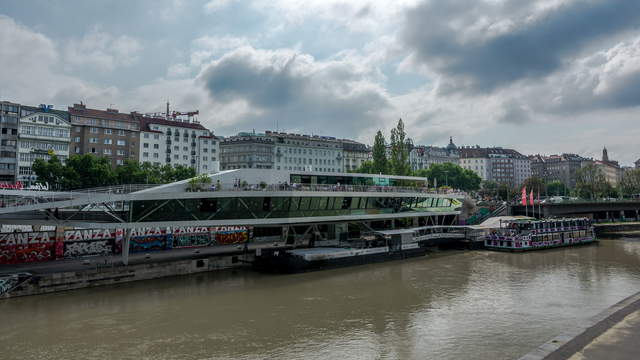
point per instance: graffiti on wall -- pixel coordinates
(88, 248)
(20, 247)
(88, 242)
(227, 235)
(185, 237)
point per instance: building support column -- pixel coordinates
(125, 246)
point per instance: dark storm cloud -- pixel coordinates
(514, 113)
(438, 34)
(296, 92)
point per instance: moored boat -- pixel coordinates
(531, 234)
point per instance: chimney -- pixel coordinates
(80, 106)
(109, 110)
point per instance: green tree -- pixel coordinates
(182, 172)
(591, 182)
(130, 173)
(86, 171)
(556, 188)
(489, 189)
(452, 175)
(380, 163)
(630, 182)
(534, 183)
(366, 167)
(399, 161)
(49, 172)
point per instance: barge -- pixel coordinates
(531, 234)
(321, 258)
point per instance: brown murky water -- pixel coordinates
(456, 305)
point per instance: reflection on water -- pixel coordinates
(456, 305)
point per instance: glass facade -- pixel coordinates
(282, 207)
(355, 180)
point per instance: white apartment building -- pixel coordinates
(505, 166)
(355, 154)
(40, 135)
(306, 152)
(177, 142)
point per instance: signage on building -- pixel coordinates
(20, 186)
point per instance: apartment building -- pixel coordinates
(107, 133)
(41, 134)
(9, 114)
(505, 166)
(306, 152)
(355, 154)
(247, 151)
(178, 142)
(561, 168)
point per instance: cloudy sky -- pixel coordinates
(543, 76)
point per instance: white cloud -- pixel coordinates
(102, 51)
(216, 5)
(30, 74)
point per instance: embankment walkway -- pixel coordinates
(611, 335)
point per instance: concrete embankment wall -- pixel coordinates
(615, 228)
(62, 281)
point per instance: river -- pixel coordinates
(452, 305)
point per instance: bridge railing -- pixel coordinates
(331, 187)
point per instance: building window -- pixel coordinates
(93, 150)
(108, 141)
(156, 136)
(107, 151)
(156, 146)
(108, 131)
(146, 154)
(121, 152)
(77, 150)
(204, 158)
(121, 143)
(156, 155)
(76, 139)
(121, 133)
(93, 130)
(119, 162)
(146, 135)
(145, 145)
(93, 140)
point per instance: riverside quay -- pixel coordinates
(243, 206)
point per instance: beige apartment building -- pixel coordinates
(107, 133)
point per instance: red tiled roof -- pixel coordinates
(145, 121)
(100, 114)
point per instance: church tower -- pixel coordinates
(605, 156)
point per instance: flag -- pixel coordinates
(524, 196)
(531, 197)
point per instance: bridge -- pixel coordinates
(598, 210)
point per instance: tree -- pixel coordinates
(452, 175)
(630, 183)
(182, 172)
(591, 182)
(556, 188)
(489, 189)
(534, 183)
(49, 172)
(399, 161)
(367, 167)
(87, 171)
(380, 163)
